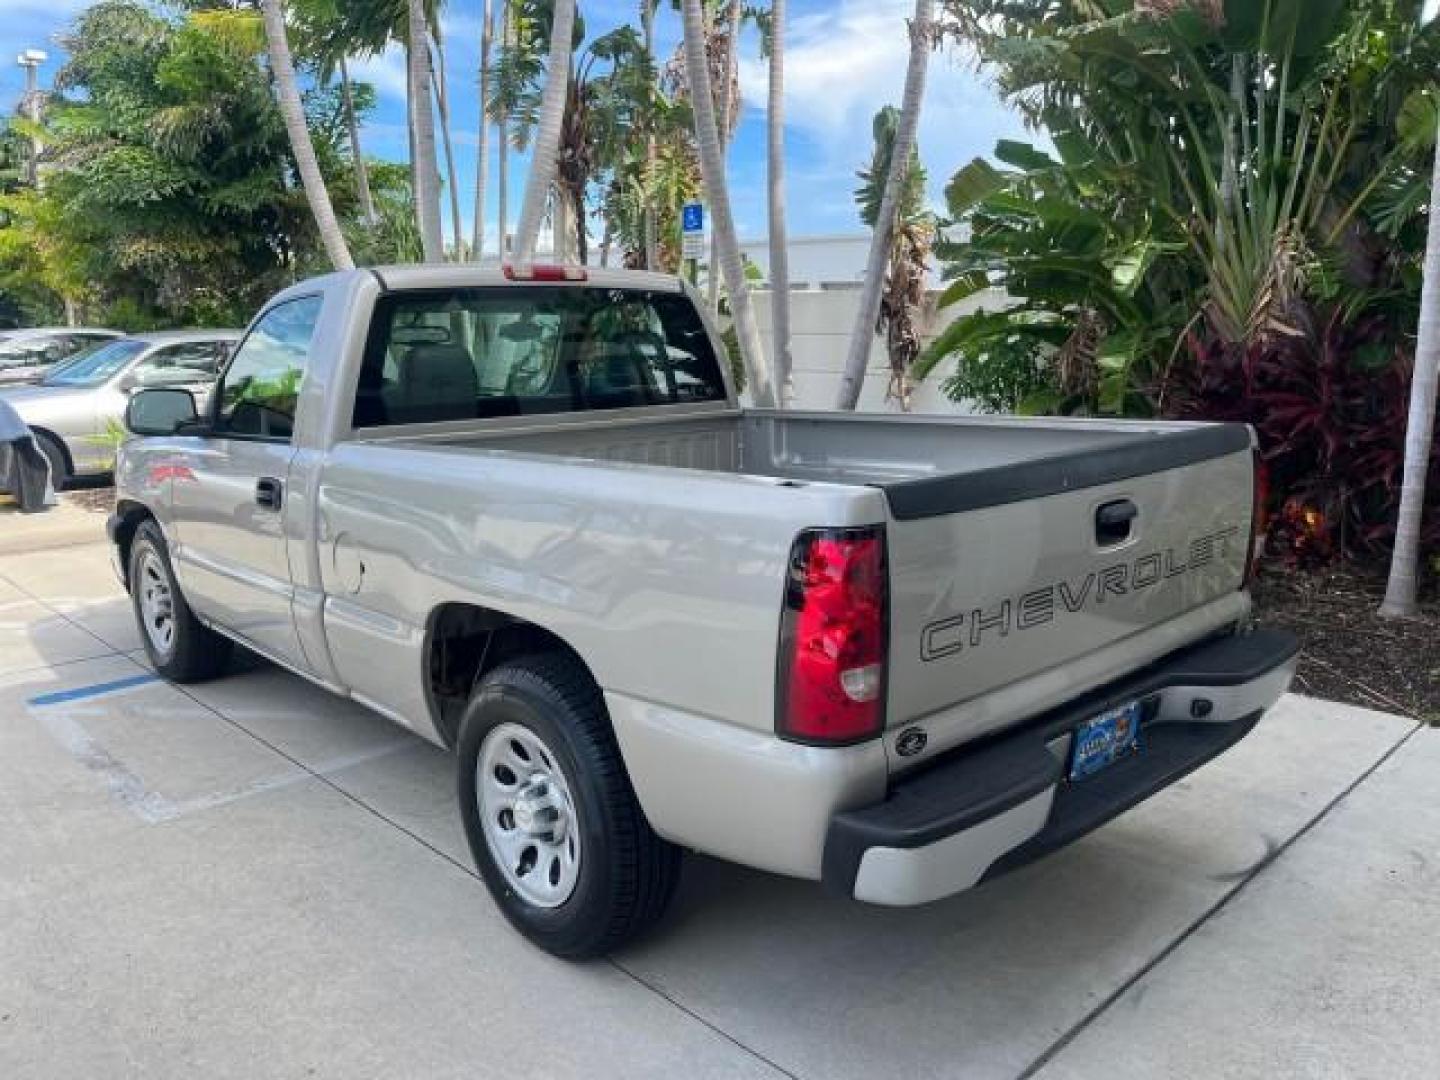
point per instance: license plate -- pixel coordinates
(1101, 742)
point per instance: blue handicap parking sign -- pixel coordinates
(692, 218)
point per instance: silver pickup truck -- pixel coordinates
(524, 515)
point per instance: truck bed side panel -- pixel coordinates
(668, 583)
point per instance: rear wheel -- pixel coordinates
(55, 455)
(551, 817)
(180, 646)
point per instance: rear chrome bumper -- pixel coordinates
(983, 811)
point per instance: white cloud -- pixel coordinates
(844, 64)
(386, 72)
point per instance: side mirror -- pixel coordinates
(160, 412)
(127, 382)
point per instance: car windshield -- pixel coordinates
(94, 367)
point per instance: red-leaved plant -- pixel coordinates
(1330, 411)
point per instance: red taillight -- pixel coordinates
(545, 273)
(833, 638)
(1258, 522)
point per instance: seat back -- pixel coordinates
(436, 382)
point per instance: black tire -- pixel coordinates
(196, 652)
(627, 874)
(55, 455)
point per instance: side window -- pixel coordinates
(60, 347)
(178, 365)
(260, 388)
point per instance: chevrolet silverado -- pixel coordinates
(524, 514)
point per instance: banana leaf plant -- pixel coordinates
(1222, 165)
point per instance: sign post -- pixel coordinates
(692, 235)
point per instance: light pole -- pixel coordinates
(30, 60)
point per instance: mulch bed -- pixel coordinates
(93, 496)
(1351, 654)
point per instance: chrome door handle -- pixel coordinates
(269, 493)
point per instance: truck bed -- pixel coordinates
(926, 465)
(1005, 594)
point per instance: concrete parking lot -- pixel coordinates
(252, 879)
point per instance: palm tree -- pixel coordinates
(352, 129)
(728, 108)
(422, 126)
(903, 294)
(779, 238)
(1401, 590)
(331, 36)
(482, 152)
(547, 141)
(921, 40)
(442, 100)
(649, 243)
(712, 171)
(502, 161)
(316, 193)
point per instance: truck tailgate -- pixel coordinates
(998, 579)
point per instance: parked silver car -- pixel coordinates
(26, 356)
(76, 409)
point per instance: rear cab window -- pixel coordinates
(479, 353)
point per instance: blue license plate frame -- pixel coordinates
(1103, 740)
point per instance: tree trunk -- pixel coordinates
(582, 238)
(482, 152)
(727, 131)
(316, 193)
(422, 119)
(410, 138)
(1400, 592)
(863, 335)
(352, 127)
(779, 236)
(1230, 166)
(712, 172)
(649, 242)
(452, 180)
(547, 138)
(502, 161)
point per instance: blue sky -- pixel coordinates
(845, 60)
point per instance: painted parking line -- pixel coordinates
(80, 693)
(64, 725)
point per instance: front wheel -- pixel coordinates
(55, 456)
(551, 818)
(181, 647)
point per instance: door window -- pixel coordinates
(27, 353)
(179, 365)
(262, 384)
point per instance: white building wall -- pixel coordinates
(820, 326)
(816, 261)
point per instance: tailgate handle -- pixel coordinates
(1113, 522)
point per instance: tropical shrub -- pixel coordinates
(1330, 414)
(1224, 167)
(169, 196)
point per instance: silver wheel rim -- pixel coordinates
(528, 815)
(157, 603)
